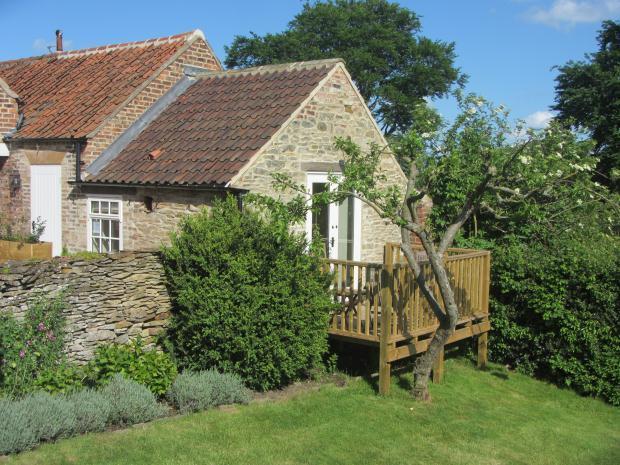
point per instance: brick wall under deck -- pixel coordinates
(334, 111)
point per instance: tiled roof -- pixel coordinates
(213, 128)
(69, 94)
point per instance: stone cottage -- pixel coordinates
(112, 145)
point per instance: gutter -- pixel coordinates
(199, 187)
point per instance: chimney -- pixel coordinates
(58, 40)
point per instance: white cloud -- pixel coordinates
(571, 12)
(539, 119)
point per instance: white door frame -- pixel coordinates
(314, 177)
(46, 202)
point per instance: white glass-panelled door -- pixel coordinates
(339, 225)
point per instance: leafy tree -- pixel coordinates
(473, 164)
(393, 66)
(588, 96)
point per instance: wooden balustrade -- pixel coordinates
(381, 303)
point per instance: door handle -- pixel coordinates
(332, 242)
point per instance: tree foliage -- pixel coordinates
(588, 96)
(478, 164)
(248, 298)
(393, 66)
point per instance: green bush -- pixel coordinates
(51, 416)
(91, 410)
(130, 402)
(34, 418)
(555, 312)
(16, 434)
(62, 378)
(193, 391)
(152, 368)
(32, 346)
(248, 297)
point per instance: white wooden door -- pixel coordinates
(338, 224)
(45, 202)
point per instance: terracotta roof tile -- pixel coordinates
(69, 94)
(213, 128)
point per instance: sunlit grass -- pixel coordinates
(476, 417)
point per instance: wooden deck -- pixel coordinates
(365, 289)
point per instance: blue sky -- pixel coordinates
(507, 47)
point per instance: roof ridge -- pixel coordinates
(264, 69)
(183, 37)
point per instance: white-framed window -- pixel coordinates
(105, 224)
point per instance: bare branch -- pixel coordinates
(464, 214)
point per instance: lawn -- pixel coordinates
(490, 417)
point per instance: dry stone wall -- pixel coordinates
(109, 299)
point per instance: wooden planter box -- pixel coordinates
(11, 250)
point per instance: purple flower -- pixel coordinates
(41, 327)
(22, 353)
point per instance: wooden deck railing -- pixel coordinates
(364, 290)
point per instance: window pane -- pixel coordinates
(106, 228)
(105, 245)
(114, 208)
(96, 245)
(320, 217)
(96, 227)
(94, 206)
(105, 208)
(345, 229)
(114, 245)
(115, 229)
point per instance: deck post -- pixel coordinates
(438, 367)
(483, 342)
(387, 285)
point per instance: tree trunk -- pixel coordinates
(424, 364)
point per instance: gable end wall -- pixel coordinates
(334, 111)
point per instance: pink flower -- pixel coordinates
(41, 327)
(50, 336)
(22, 353)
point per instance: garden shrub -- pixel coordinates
(130, 402)
(555, 312)
(193, 391)
(151, 368)
(91, 410)
(34, 418)
(248, 298)
(16, 433)
(64, 377)
(51, 416)
(32, 346)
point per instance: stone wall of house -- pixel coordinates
(307, 144)
(75, 208)
(109, 299)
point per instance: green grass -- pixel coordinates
(476, 417)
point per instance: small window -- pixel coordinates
(105, 219)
